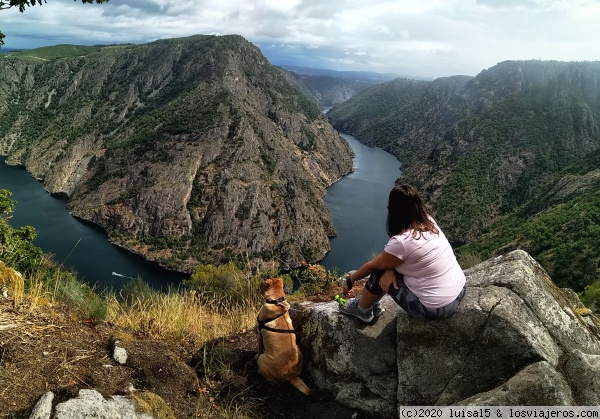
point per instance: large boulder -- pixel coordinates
(91, 404)
(514, 333)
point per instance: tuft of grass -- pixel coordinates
(50, 283)
(153, 404)
(13, 281)
(182, 316)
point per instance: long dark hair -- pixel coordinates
(407, 211)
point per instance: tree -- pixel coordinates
(23, 4)
(7, 204)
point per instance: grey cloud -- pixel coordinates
(542, 5)
(430, 38)
(146, 7)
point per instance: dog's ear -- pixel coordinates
(277, 285)
(265, 285)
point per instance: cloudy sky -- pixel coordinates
(427, 38)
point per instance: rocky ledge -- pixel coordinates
(517, 339)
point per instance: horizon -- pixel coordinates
(430, 39)
(390, 76)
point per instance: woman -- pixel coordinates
(417, 267)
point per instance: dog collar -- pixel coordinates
(277, 301)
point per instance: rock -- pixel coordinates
(536, 384)
(43, 407)
(119, 353)
(354, 361)
(91, 404)
(514, 333)
(583, 372)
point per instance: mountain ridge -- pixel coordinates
(252, 154)
(486, 147)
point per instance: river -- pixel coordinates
(357, 202)
(76, 244)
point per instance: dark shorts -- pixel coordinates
(409, 301)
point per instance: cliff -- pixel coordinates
(517, 339)
(185, 151)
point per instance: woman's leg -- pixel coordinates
(367, 299)
(372, 291)
(405, 298)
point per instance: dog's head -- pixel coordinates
(272, 288)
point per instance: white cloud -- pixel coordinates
(430, 38)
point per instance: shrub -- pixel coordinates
(225, 283)
(136, 289)
(468, 260)
(312, 279)
(590, 296)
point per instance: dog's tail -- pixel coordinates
(299, 384)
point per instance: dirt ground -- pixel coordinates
(51, 349)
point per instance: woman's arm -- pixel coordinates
(383, 261)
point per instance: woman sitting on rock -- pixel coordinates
(417, 267)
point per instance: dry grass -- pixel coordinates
(12, 283)
(181, 317)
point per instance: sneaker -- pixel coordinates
(351, 308)
(378, 309)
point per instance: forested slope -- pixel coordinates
(508, 159)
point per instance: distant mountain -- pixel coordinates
(354, 75)
(330, 87)
(508, 159)
(328, 91)
(185, 150)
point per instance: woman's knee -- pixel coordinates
(372, 284)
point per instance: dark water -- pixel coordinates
(357, 202)
(79, 245)
(358, 205)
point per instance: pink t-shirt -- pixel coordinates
(430, 268)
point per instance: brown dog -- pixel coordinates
(279, 358)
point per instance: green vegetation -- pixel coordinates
(226, 283)
(56, 51)
(312, 279)
(268, 161)
(503, 164)
(590, 296)
(563, 239)
(43, 276)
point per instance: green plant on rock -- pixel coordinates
(312, 279)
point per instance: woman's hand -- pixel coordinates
(388, 279)
(382, 262)
(345, 287)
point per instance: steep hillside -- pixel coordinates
(184, 150)
(509, 143)
(328, 90)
